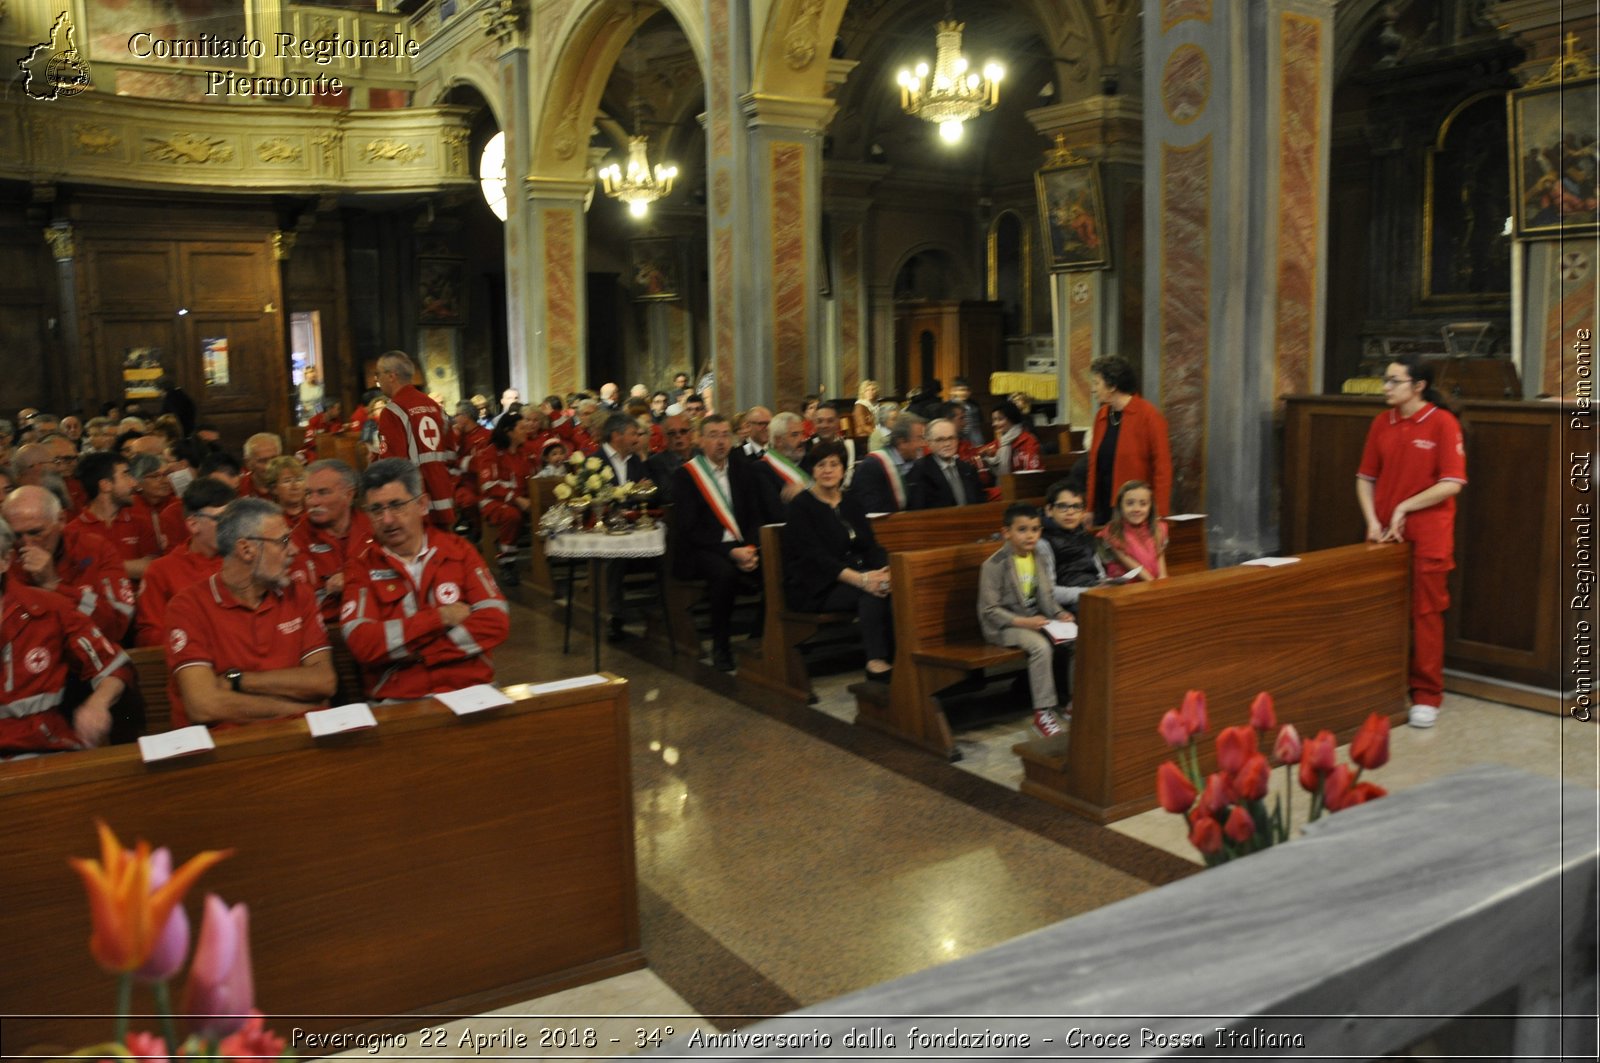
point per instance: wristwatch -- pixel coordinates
(233, 678)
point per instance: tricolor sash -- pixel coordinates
(700, 472)
(891, 470)
(787, 470)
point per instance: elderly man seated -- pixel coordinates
(45, 643)
(247, 643)
(68, 559)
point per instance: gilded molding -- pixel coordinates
(95, 139)
(62, 246)
(455, 144)
(283, 245)
(387, 150)
(800, 39)
(187, 149)
(504, 19)
(1572, 65)
(278, 150)
(332, 144)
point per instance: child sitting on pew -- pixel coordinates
(1135, 542)
(1016, 603)
(1075, 548)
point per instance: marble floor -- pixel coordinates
(786, 856)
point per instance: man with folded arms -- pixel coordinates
(45, 641)
(332, 530)
(191, 561)
(68, 559)
(247, 644)
(421, 611)
(880, 483)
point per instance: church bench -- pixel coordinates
(434, 865)
(541, 497)
(150, 672)
(1327, 636)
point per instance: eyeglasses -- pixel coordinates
(1070, 507)
(391, 507)
(283, 541)
(1395, 381)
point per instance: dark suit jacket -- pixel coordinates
(816, 547)
(928, 489)
(695, 526)
(661, 470)
(634, 464)
(871, 490)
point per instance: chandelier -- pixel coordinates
(640, 185)
(955, 93)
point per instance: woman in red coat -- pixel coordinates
(1130, 440)
(1014, 449)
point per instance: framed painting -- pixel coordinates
(1072, 213)
(441, 291)
(1554, 156)
(657, 270)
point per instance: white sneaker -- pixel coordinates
(1422, 716)
(1047, 724)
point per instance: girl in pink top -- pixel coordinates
(1133, 541)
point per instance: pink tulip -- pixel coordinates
(172, 943)
(1174, 729)
(1263, 717)
(1194, 711)
(220, 994)
(1287, 749)
(1218, 793)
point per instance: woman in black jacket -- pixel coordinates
(832, 563)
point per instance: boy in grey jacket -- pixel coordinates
(1016, 602)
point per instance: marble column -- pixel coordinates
(552, 268)
(1236, 115)
(850, 297)
(527, 372)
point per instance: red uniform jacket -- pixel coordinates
(466, 476)
(502, 477)
(1143, 452)
(392, 624)
(166, 576)
(413, 426)
(92, 577)
(44, 640)
(322, 553)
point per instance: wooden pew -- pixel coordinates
(1327, 636)
(1025, 486)
(150, 671)
(346, 446)
(542, 496)
(434, 865)
(1186, 545)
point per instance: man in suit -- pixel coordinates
(620, 451)
(660, 467)
(880, 483)
(826, 421)
(940, 478)
(757, 425)
(1016, 603)
(715, 528)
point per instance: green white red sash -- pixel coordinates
(700, 471)
(786, 469)
(896, 482)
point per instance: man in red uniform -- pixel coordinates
(471, 437)
(259, 451)
(152, 493)
(248, 644)
(68, 559)
(191, 561)
(1412, 468)
(332, 530)
(109, 488)
(414, 427)
(421, 611)
(219, 466)
(45, 642)
(330, 421)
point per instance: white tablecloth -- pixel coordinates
(586, 545)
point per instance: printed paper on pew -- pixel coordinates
(1128, 576)
(528, 690)
(1062, 630)
(1185, 516)
(184, 742)
(1269, 562)
(473, 699)
(340, 718)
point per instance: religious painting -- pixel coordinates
(1555, 157)
(441, 291)
(1467, 257)
(657, 270)
(1072, 213)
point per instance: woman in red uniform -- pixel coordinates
(503, 469)
(1412, 468)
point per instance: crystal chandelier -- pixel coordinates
(954, 94)
(640, 185)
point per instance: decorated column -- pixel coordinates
(1237, 110)
(553, 278)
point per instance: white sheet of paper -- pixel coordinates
(1185, 516)
(473, 699)
(528, 690)
(183, 742)
(1128, 576)
(340, 718)
(1269, 562)
(1061, 630)
(875, 516)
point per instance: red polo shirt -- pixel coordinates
(166, 576)
(134, 539)
(1405, 456)
(171, 523)
(322, 553)
(207, 626)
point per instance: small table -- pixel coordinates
(598, 546)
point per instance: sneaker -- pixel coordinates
(1047, 724)
(1422, 716)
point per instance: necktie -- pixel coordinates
(955, 484)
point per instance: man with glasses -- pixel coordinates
(1076, 548)
(68, 559)
(940, 478)
(421, 611)
(192, 561)
(247, 643)
(63, 460)
(331, 531)
(45, 643)
(680, 448)
(757, 423)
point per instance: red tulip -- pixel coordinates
(1287, 749)
(220, 994)
(252, 1041)
(145, 1047)
(1362, 792)
(1263, 717)
(1174, 729)
(1218, 793)
(1240, 828)
(1173, 789)
(1194, 711)
(1206, 835)
(1233, 745)
(1336, 791)
(1250, 781)
(1370, 749)
(1323, 751)
(172, 944)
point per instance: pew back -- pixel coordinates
(150, 670)
(922, 528)
(935, 596)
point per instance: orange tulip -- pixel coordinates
(127, 914)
